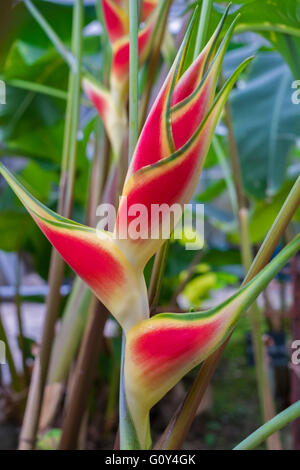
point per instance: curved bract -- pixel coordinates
(94, 256)
(162, 349)
(113, 116)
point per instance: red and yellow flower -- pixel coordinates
(165, 168)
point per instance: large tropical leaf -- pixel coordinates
(266, 124)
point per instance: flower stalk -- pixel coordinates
(270, 427)
(127, 432)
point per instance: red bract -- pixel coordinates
(161, 350)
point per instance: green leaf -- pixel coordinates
(50, 440)
(279, 22)
(266, 124)
(213, 191)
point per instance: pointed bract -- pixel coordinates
(116, 20)
(147, 8)
(120, 62)
(114, 119)
(94, 256)
(161, 350)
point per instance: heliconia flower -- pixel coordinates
(95, 257)
(162, 349)
(160, 173)
(172, 147)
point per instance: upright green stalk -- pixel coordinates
(269, 428)
(203, 26)
(34, 402)
(153, 62)
(128, 439)
(276, 232)
(157, 275)
(263, 383)
(133, 76)
(59, 45)
(226, 172)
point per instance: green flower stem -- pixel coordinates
(38, 88)
(263, 384)
(268, 27)
(226, 171)
(133, 76)
(34, 401)
(266, 430)
(70, 333)
(43, 89)
(276, 231)
(203, 26)
(157, 275)
(128, 439)
(153, 62)
(70, 58)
